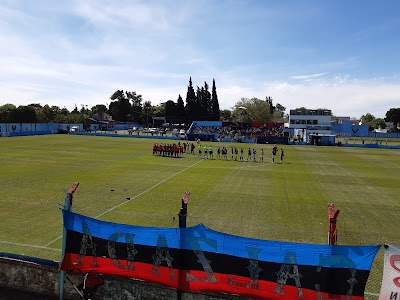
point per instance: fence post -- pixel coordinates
(333, 214)
(67, 206)
(182, 224)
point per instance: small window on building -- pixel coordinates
(315, 122)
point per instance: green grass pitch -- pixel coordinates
(285, 202)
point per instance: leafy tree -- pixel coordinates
(47, 114)
(159, 110)
(393, 115)
(75, 110)
(36, 105)
(215, 114)
(367, 118)
(137, 107)
(279, 111)
(252, 110)
(120, 108)
(74, 118)
(22, 114)
(378, 123)
(64, 111)
(148, 111)
(270, 105)
(170, 111)
(5, 111)
(98, 108)
(226, 115)
(84, 109)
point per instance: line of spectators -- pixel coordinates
(241, 132)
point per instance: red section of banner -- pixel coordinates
(196, 281)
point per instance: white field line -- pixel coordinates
(371, 294)
(30, 246)
(131, 198)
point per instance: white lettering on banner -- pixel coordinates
(202, 259)
(390, 288)
(289, 270)
(130, 250)
(253, 268)
(162, 254)
(86, 244)
(337, 260)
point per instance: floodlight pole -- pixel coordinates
(67, 206)
(333, 214)
(182, 224)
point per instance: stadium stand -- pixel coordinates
(259, 132)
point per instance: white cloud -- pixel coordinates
(343, 96)
(312, 76)
(81, 52)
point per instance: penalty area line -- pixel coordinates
(29, 245)
(131, 198)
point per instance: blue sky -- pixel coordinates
(340, 55)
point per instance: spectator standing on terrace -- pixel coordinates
(282, 154)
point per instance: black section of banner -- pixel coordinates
(329, 280)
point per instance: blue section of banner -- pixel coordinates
(202, 238)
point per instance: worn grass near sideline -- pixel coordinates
(261, 200)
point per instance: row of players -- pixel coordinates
(207, 152)
(173, 150)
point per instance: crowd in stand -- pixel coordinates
(236, 132)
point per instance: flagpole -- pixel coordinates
(68, 207)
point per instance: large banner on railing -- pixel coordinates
(199, 259)
(390, 288)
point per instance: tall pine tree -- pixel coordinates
(216, 114)
(192, 107)
(201, 116)
(207, 104)
(180, 110)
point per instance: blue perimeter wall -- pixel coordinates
(348, 129)
(24, 129)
